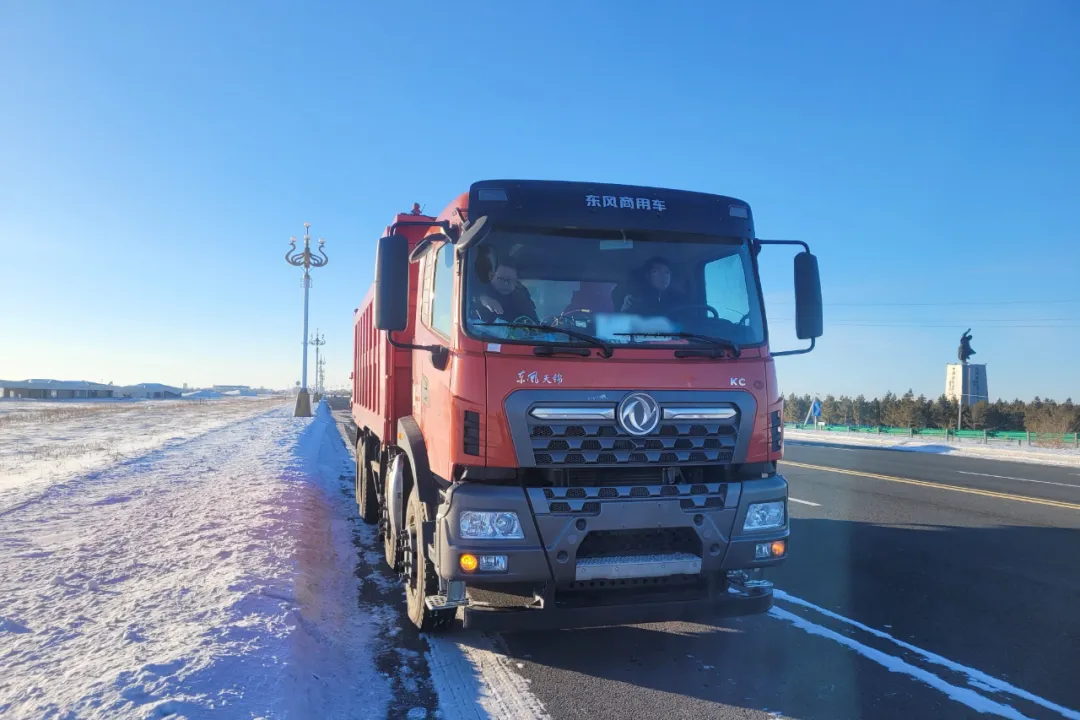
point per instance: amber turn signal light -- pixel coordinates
(468, 562)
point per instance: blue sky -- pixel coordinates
(156, 157)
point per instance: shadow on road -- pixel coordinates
(1001, 599)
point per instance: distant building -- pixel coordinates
(229, 388)
(152, 391)
(38, 389)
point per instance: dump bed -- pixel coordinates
(382, 373)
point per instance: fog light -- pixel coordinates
(779, 547)
(468, 562)
(492, 563)
(762, 551)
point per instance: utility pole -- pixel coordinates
(307, 260)
(318, 341)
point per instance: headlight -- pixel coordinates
(763, 516)
(485, 524)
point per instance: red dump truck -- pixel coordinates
(567, 407)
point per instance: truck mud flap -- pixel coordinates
(557, 618)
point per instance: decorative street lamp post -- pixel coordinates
(318, 341)
(320, 370)
(307, 260)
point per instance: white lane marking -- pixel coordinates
(803, 502)
(967, 696)
(473, 680)
(1006, 477)
(974, 676)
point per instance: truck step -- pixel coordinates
(441, 602)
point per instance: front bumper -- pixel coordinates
(564, 618)
(556, 521)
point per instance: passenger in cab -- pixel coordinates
(654, 296)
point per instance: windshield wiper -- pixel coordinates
(594, 341)
(728, 345)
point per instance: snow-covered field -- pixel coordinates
(208, 572)
(1068, 457)
(41, 443)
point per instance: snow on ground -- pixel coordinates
(42, 443)
(207, 577)
(1043, 456)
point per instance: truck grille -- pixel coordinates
(587, 500)
(607, 444)
(658, 541)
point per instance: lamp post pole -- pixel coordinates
(318, 341)
(307, 260)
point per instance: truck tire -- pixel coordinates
(390, 543)
(420, 578)
(366, 499)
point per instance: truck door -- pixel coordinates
(431, 396)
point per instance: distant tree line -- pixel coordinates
(910, 411)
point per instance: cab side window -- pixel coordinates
(442, 291)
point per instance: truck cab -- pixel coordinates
(567, 407)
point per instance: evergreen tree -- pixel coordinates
(830, 410)
(860, 411)
(979, 413)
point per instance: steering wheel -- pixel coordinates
(522, 333)
(566, 318)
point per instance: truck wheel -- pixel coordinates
(390, 543)
(366, 499)
(420, 577)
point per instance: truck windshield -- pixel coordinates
(612, 285)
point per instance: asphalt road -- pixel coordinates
(952, 566)
(991, 582)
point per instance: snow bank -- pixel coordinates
(1043, 456)
(213, 577)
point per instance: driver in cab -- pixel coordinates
(655, 296)
(510, 300)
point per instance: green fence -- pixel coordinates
(1008, 436)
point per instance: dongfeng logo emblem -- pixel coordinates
(639, 413)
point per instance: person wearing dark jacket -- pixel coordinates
(655, 297)
(511, 299)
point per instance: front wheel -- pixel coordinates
(420, 578)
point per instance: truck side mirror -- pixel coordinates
(478, 230)
(392, 283)
(808, 317)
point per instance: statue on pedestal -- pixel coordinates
(964, 351)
